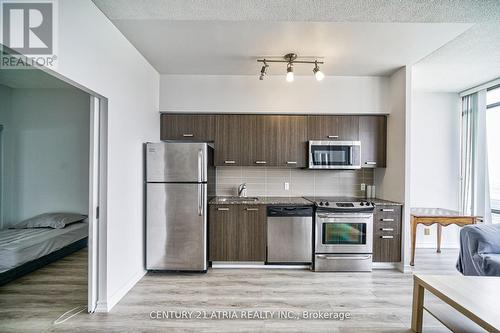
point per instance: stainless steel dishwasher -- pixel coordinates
(289, 234)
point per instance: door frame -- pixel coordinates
(2, 180)
(97, 207)
(98, 167)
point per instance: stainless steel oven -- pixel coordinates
(344, 232)
(334, 155)
(343, 236)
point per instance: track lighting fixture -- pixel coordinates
(319, 75)
(263, 71)
(290, 59)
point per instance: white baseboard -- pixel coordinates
(103, 306)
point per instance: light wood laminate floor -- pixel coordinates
(378, 301)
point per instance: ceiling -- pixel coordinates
(231, 48)
(356, 37)
(389, 11)
(467, 61)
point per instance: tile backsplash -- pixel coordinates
(302, 182)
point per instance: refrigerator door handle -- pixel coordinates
(200, 200)
(200, 165)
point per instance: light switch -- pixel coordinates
(287, 186)
(363, 186)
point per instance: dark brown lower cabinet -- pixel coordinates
(387, 233)
(237, 233)
(222, 232)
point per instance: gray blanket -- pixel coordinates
(480, 250)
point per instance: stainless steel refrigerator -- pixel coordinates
(180, 179)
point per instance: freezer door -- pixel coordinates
(176, 227)
(176, 162)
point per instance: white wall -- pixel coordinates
(94, 53)
(45, 153)
(243, 93)
(392, 182)
(435, 159)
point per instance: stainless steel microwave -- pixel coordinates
(334, 155)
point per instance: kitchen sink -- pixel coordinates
(239, 199)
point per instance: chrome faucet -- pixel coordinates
(242, 190)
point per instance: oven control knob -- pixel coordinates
(361, 203)
(327, 203)
(373, 204)
(321, 203)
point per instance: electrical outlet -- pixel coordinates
(287, 186)
(363, 187)
(427, 231)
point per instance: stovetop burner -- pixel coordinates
(342, 203)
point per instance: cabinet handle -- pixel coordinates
(371, 163)
(251, 209)
(260, 162)
(229, 162)
(387, 210)
(387, 229)
(291, 162)
(387, 220)
(223, 208)
(387, 237)
(188, 135)
(333, 136)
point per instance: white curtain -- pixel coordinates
(469, 120)
(474, 194)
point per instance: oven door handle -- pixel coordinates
(323, 256)
(343, 216)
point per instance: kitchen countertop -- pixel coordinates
(293, 201)
(382, 202)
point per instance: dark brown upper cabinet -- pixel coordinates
(228, 139)
(277, 140)
(372, 134)
(342, 128)
(259, 140)
(187, 127)
(292, 141)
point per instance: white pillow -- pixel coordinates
(50, 220)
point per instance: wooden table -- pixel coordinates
(441, 216)
(470, 303)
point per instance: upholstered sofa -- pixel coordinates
(480, 250)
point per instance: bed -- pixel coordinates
(24, 250)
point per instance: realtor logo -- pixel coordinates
(28, 28)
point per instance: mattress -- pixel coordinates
(19, 246)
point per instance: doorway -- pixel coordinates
(96, 168)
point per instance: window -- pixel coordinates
(493, 139)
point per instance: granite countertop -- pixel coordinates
(295, 201)
(382, 202)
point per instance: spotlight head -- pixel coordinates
(289, 72)
(263, 71)
(319, 75)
